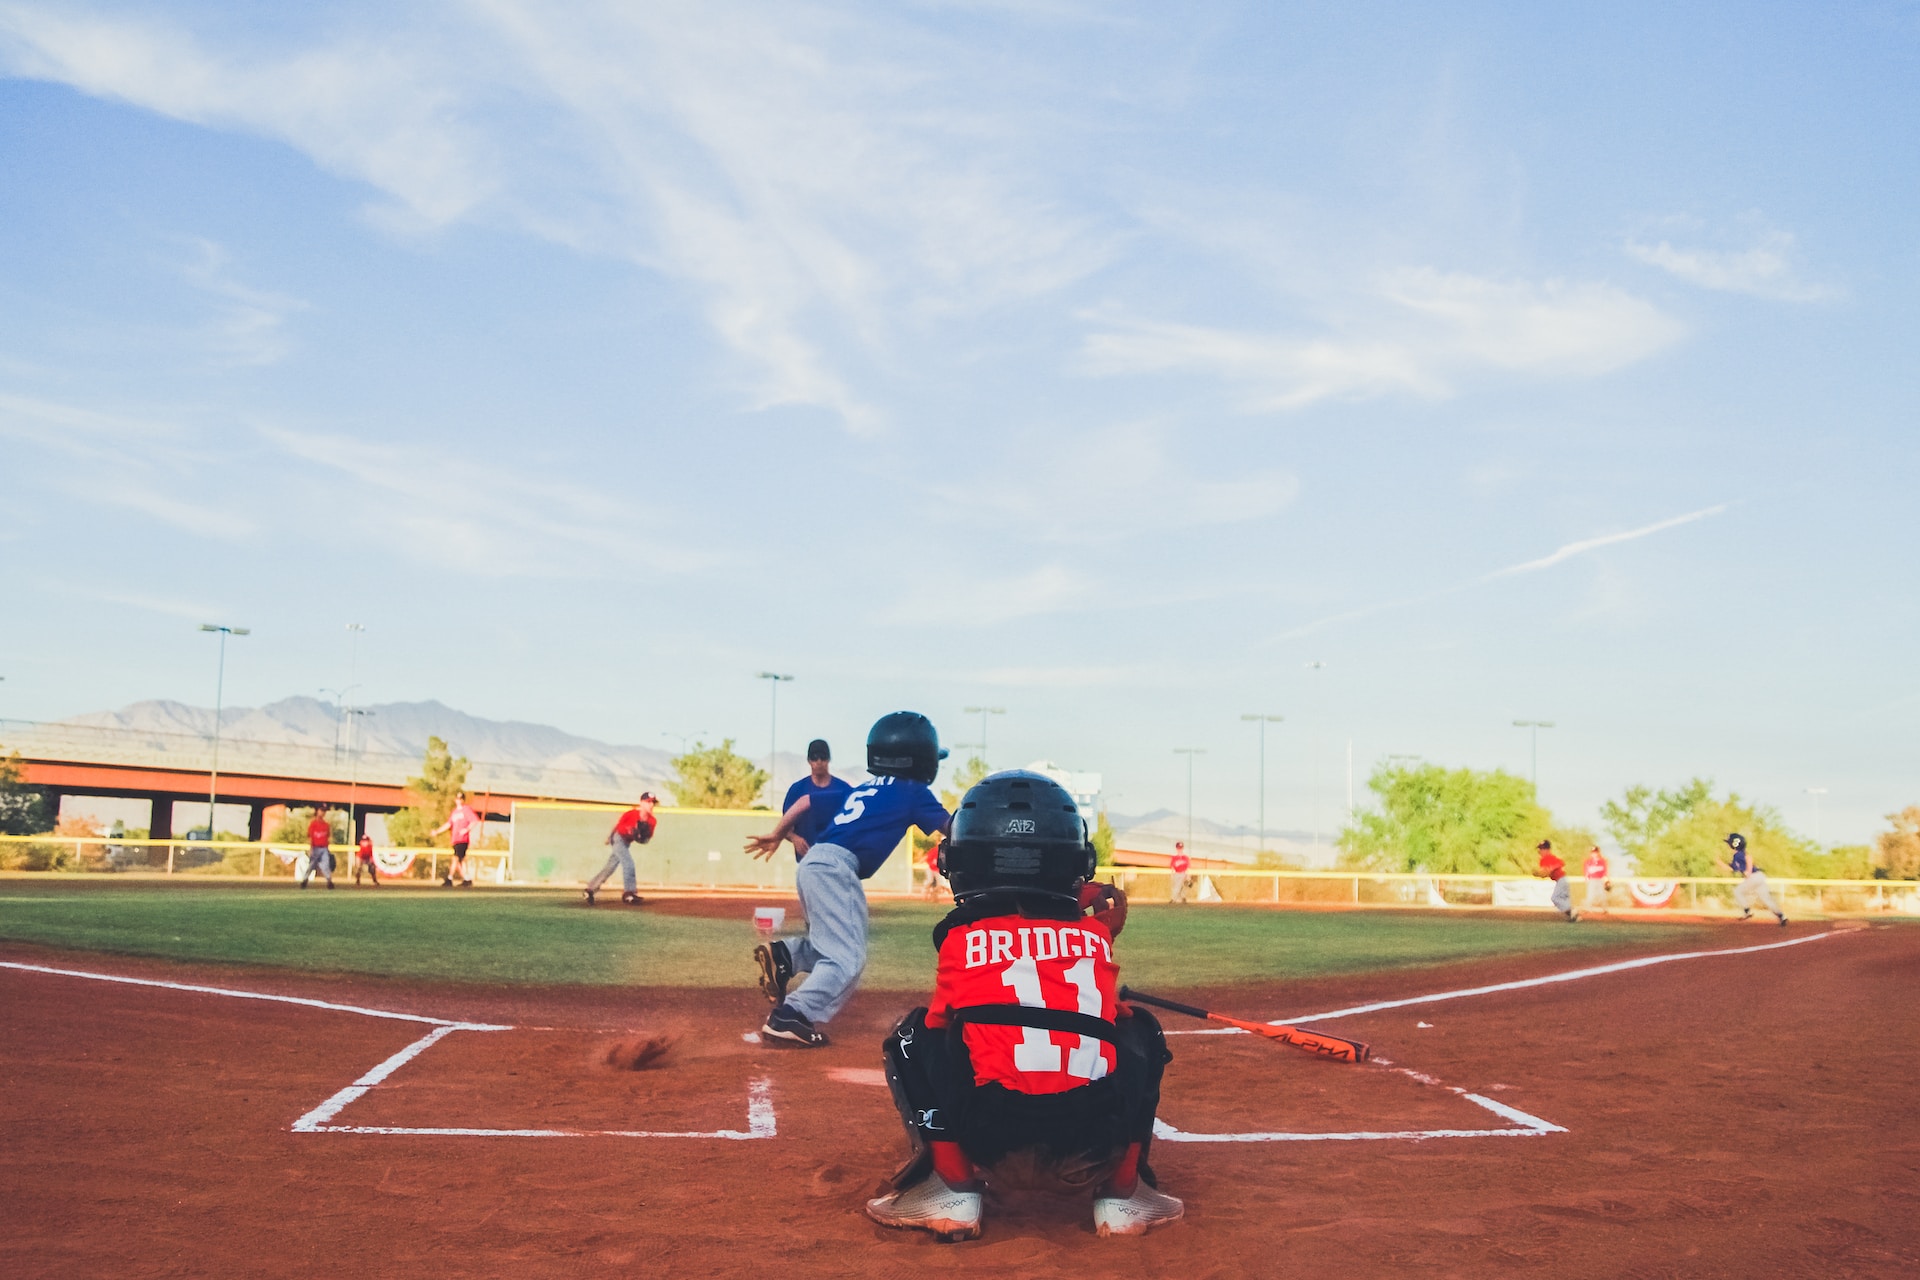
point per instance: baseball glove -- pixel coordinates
(1106, 904)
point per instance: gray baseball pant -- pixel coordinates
(621, 857)
(833, 954)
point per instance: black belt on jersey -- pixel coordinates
(1020, 1015)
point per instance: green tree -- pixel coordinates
(1896, 852)
(292, 827)
(1694, 844)
(716, 778)
(1642, 816)
(24, 810)
(1458, 821)
(1103, 840)
(965, 777)
(441, 774)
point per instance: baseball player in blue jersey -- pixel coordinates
(903, 755)
(1752, 889)
(820, 792)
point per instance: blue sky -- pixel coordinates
(1105, 363)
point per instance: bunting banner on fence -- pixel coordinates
(1652, 893)
(392, 862)
(287, 856)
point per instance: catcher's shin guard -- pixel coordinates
(915, 1059)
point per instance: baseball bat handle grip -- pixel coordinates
(1141, 997)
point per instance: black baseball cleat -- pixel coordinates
(789, 1024)
(466, 884)
(588, 895)
(1747, 914)
(631, 899)
(776, 969)
(446, 882)
(1783, 922)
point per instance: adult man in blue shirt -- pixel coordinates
(821, 792)
(903, 755)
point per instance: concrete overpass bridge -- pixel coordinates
(166, 769)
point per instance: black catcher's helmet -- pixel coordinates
(1021, 832)
(1737, 842)
(904, 745)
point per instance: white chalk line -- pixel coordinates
(761, 1121)
(1523, 1124)
(233, 994)
(1571, 975)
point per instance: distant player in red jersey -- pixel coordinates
(1025, 1068)
(462, 825)
(319, 848)
(1595, 870)
(363, 861)
(635, 826)
(1556, 870)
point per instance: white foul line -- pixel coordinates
(316, 1119)
(1569, 976)
(229, 992)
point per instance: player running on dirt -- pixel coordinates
(903, 755)
(319, 848)
(635, 826)
(1752, 890)
(363, 861)
(1025, 1069)
(820, 792)
(1555, 870)
(1595, 871)
(462, 825)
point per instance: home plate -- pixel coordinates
(859, 1075)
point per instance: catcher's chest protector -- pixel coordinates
(1038, 964)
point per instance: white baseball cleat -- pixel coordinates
(1147, 1208)
(930, 1205)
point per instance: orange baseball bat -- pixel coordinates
(1339, 1048)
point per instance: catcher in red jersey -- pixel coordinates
(1025, 1070)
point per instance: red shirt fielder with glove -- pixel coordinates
(1025, 1070)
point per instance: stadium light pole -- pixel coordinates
(697, 734)
(353, 773)
(1264, 720)
(1189, 753)
(774, 681)
(1819, 827)
(219, 693)
(354, 630)
(1534, 726)
(983, 713)
(1313, 749)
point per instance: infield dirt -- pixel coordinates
(1739, 1115)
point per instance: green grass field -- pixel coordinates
(544, 937)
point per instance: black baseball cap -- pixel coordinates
(818, 750)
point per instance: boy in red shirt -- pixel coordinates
(635, 826)
(319, 848)
(1595, 869)
(1555, 870)
(1025, 1069)
(363, 861)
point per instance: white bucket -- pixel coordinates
(769, 919)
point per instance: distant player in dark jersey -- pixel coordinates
(1554, 869)
(820, 793)
(903, 755)
(319, 848)
(462, 827)
(1025, 1069)
(635, 826)
(1752, 890)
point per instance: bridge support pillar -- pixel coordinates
(160, 825)
(256, 820)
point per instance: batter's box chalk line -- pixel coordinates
(760, 1116)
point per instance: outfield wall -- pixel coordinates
(691, 848)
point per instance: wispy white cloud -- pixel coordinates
(988, 600)
(1586, 545)
(1763, 265)
(1428, 331)
(251, 328)
(1570, 551)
